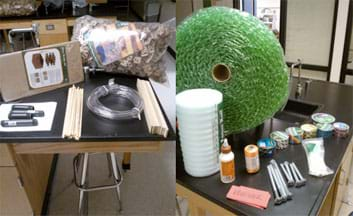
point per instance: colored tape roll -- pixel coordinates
(231, 51)
(341, 129)
(324, 130)
(309, 130)
(281, 139)
(266, 147)
(323, 118)
(295, 135)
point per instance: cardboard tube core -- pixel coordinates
(221, 73)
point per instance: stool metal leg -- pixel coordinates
(110, 167)
(83, 185)
(118, 177)
(83, 180)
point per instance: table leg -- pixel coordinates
(6, 37)
(126, 160)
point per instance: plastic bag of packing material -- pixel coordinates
(315, 154)
(133, 48)
(17, 7)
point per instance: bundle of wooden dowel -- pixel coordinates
(154, 116)
(73, 116)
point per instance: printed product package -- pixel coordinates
(133, 48)
(39, 70)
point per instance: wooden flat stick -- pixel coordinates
(152, 118)
(67, 111)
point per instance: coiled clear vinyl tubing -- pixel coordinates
(99, 109)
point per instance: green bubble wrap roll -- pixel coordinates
(235, 53)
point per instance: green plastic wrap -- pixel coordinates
(235, 53)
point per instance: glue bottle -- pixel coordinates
(226, 159)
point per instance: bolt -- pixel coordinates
(279, 185)
(298, 183)
(289, 194)
(278, 199)
(290, 182)
(284, 185)
(286, 164)
(298, 173)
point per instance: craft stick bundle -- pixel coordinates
(154, 116)
(73, 115)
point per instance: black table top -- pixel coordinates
(94, 128)
(337, 100)
(110, 9)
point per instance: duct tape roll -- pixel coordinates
(266, 147)
(281, 139)
(235, 53)
(341, 129)
(324, 130)
(323, 118)
(309, 130)
(295, 135)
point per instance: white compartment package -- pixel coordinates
(200, 123)
(315, 154)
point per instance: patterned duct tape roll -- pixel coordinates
(309, 130)
(323, 118)
(295, 135)
(341, 129)
(324, 130)
(266, 147)
(281, 139)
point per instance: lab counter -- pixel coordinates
(320, 196)
(26, 157)
(54, 26)
(108, 9)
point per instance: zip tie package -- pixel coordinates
(133, 48)
(315, 154)
(236, 54)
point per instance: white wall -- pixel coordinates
(309, 29)
(340, 34)
(225, 3)
(350, 55)
(268, 3)
(168, 12)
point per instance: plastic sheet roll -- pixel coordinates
(233, 52)
(199, 113)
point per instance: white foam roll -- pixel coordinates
(200, 118)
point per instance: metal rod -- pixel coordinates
(83, 180)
